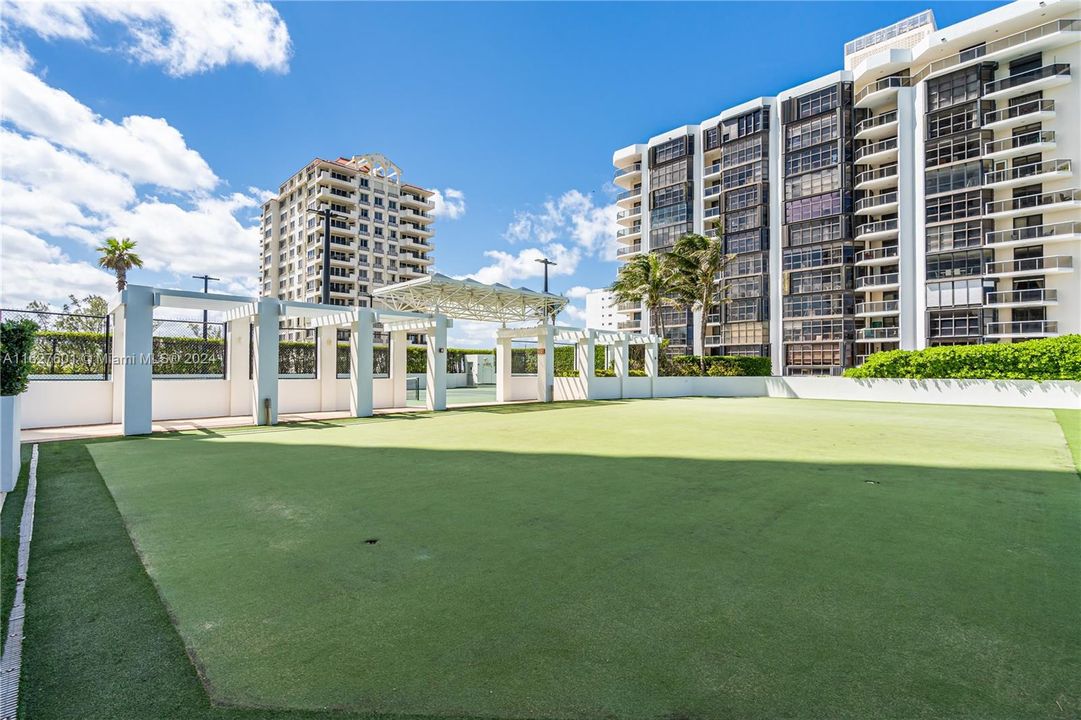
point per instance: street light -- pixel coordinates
(206, 288)
(546, 262)
(327, 214)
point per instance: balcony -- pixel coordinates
(884, 204)
(878, 126)
(1033, 111)
(628, 233)
(878, 230)
(878, 152)
(342, 182)
(627, 197)
(711, 191)
(878, 283)
(628, 215)
(878, 308)
(713, 212)
(1022, 329)
(1043, 265)
(1031, 173)
(628, 307)
(880, 91)
(630, 325)
(714, 169)
(627, 175)
(1032, 142)
(883, 177)
(875, 334)
(877, 256)
(1031, 204)
(629, 250)
(1036, 297)
(416, 216)
(410, 200)
(1048, 76)
(1043, 234)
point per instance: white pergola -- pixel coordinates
(471, 300)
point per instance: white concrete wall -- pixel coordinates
(454, 380)
(182, 399)
(605, 388)
(568, 388)
(522, 387)
(994, 393)
(58, 403)
(637, 387)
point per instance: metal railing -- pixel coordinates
(67, 346)
(1023, 327)
(628, 213)
(1019, 111)
(628, 250)
(876, 120)
(893, 82)
(1034, 265)
(1019, 141)
(713, 190)
(635, 192)
(630, 169)
(879, 253)
(1035, 296)
(878, 306)
(1025, 171)
(876, 227)
(878, 333)
(971, 54)
(1026, 202)
(874, 148)
(624, 232)
(712, 169)
(874, 201)
(1036, 232)
(1024, 78)
(877, 174)
(870, 281)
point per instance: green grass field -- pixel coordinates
(694, 558)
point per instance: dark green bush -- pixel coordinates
(1056, 358)
(716, 365)
(16, 345)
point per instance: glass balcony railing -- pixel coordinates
(1019, 141)
(872, 281)
(876, 121)
(875, 148)
(1028, 202)
(1034, 296)
(629, 170)
(629, 194)
(1019, 111)
(628, 213)
(878, 306)
(879, 253)
(878, 333)
(876, 227)
(1030, 265)
(886, 171)
(1036, 233)
(713, 169)
(887, 83)
(627, 250)
(1024, 78)
(1032, 170)
(869, 203)
(1023, 327)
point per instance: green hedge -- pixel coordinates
(1057, 358)
(16, 345)
(716, 365)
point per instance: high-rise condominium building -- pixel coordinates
(926, 194)
(381, 231)
(601, 310)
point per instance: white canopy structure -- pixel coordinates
(470, 300)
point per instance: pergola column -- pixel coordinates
(399, 367)
(546, 361)
(326, 338)
(437, 364)
(585, 351)
(503, 368)
(138, 348)
(653, 365)
(361, 339)
(621, 361)
(264, 380)
(239, 355)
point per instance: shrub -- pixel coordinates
(16, 344)
(1057, 358)
(716, 365)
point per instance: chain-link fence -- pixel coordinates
(380, 355)
(298, 353)
(189, 349)
(68, 346)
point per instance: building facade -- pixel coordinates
(381, 231)
(601, 311)
(925, 194)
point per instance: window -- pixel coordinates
(673, 149)
(816, 305)
(743, 310)
(745, 219)
(817, 256)
(956, 236)
(742, 151)
(956, 148)
(813, 355)
(671, 174)
(954, 88)
(955, 293)
(815, 131)
(744, 175)
(818, 102)
(746, 287)
(835, 329)
(812, 183)
(954, 120)
(955, 177)
(956, 207)
(816, 206)
(955, 264)
(954, 324)
(743, 242)
(826, 280)
(750, 264)
(743, 198)
(747, 124)
(818, 231)
(812, 158)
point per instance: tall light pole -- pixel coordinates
(206, 288)
(546, 262)
(327, 214)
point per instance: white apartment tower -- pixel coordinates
(380, 231)
(601, 310)
(925, 194)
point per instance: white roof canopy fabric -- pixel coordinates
(470, 300)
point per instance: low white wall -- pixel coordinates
(59, 403)
(522, 387)
(709, 386)
(568, 388)
(182, 399)
(605, 388)
(454, 380)
(299, 395)
(637, 387)
(1055, 394)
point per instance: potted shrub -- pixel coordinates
(16, 343)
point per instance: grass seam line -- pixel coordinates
(11, 662)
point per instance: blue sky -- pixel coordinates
(516, 106)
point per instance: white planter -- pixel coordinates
(10, 455)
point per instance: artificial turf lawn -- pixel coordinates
(690, 558)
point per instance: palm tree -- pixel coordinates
(117, 255)
(697, 264)
(646, 278)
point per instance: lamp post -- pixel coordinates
(326, 214)
(546, 262)
(206, 288)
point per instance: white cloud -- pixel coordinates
(578, 292)
(510, 269)
(449, 203)
(143, 149)
(185, 38)
(574, 216)
(32, 269)
(575, 315)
